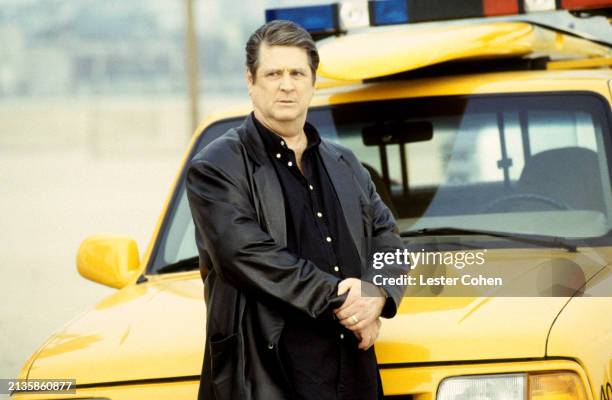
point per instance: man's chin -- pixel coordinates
(286, 115)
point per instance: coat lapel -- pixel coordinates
(268, 191)
(341, 177)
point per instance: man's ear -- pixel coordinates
(249, 78)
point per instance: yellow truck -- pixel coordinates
(490, 137)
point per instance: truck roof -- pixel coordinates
(378, 52)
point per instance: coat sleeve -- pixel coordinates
(385, 238)
(243, 254)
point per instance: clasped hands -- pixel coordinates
(358, 313)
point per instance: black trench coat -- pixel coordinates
(237, 205)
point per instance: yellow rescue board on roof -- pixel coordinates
(375, 54)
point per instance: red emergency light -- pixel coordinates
(500, 7)
(390, 12)
(584, 4)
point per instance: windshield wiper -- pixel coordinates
(540, 240)
(186, 264)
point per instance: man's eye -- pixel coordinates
(298, 73)
(273, 73)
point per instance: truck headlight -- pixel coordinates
(524, 386)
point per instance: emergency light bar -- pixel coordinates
(315, 19)
(325, 20)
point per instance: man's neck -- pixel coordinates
(292, 132)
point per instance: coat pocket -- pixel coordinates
(227, 362)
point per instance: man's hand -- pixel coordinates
(368, 335)
(358, 312)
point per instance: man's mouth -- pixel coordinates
(286, 101)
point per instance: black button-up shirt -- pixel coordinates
(321, 357)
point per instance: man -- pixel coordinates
(285, 225)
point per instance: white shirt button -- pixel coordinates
(320, 215)
(311, 188)
(328, 239)
(282, 143)
(278, 155)
(342, 336)
(271, 346)
(336, 268)
(290, 163)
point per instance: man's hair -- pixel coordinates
(281, 33)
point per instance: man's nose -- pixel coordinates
(286, 83)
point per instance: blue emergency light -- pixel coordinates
(388, 12)
(320, 19)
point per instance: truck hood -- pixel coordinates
(147, 331)
(157, 329)
(512, 322)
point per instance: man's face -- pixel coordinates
(283, 86)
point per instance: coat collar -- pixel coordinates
(255, 146)
(347, 190)
(270, 193)
(252, 141)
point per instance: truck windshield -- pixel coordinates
(526, 164)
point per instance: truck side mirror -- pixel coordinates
(108, 259)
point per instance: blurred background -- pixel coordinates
(94, 120)
(96, 112)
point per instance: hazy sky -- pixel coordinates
(213, 14)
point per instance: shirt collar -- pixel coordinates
(275, 144)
